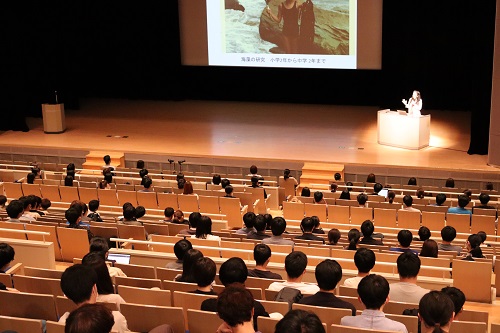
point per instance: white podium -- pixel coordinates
(396, 129)
(53, 118)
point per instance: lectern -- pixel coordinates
(397, 129)
(53, 118)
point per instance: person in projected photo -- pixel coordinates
(414, 104)
(288, 11)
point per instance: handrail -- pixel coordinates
(29, 232)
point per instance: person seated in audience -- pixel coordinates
(407, 290)
(317, 225)
(262, 256)
(300, 321)
(179, 176)
(353, 236)
(234, 271)
(371, 178)
(37, 206)
(180, 249)
(364, 259)
(429, 249)
(463, 201)
(362, 199)
(408, 202)
(424, 234)
(180, 184)
(204, 271)
(307, 226)
(260, 229)
(333, 187)
(337, 176)
(129, 213)
(367, 229)
(204, 229)
(3, 202)
(333, 236)
(104, 185)
(412, 181)
(468, 194)
(450, 183)
(484, 198)
(74, 218)
(224, 183)
(435, 312)
(483, 236)
(318, 198)
(328, 274)
(288, 178)
(169, 214)
(448, 234)
(216, 179)
(473, 246)
(305, 192)
(376, 189)
(79, 284)
(188, 189)
(178, 217)
(107, 162)
(140, 211)
(28, 203)
(90, 318)
(489, 186)
(143, 173)
(235, 306)
(193, 219)
(249, 222)
(440, 199)
(93, 215)
(15, 210)
(108, 177)
(420, 193)
(256, 184)
(269, 219)
(82, 208)
(105, 288)
(68, 181)
(373, 291)
(295, 267)
(229, 192)
(100, 246)
(147, 185)
(46, 203)
(457, 297)
(345, 195)
(140, 164)
(278, 227)
(404, 238)
(254, 171)
(391, 195)
(188, 261)
(7, 254)
(30, 178)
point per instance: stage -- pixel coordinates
(283, 134)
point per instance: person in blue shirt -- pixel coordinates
(463, 201)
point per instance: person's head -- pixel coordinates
(377, 187)
(235, 305)
(295, 264)
(190, 257)
(140, 211)
(15, 209)
(46, 203)
(204, 227)
(362, 199)
(216, 179)
(139, 165)
(353, 237)
(416, 95)
(3, 200)
(373, 291)
(179, 176)
(457, 297)
(450, 182)
(30, 178)
(143, 173)
(420, 193)
(448, 233)
(405, 237)
(188, 188)
(333, 187)
(286, 174)
(204, 271)
(391, 195)
(181, 247)
(78, 283)
(429, 249)
(253, 169)
(249, 219)
(225, 183)
(484, 198)
(408, 265)
(435, 310)
(278, 226)
(412, 181)
(169, 212)
(489, 186)
(307, 224)
(70, 166)
(269, 219)
(90, 318)
(367, 228)
(345, 195)
(229, 190)
(178, 216)
(364, 259)
(73, 216)
(440, 199)
(371, 178)
(261, 254)
(180, 183)
(193, 219)
(108, 177)
(483, 236)
(95, 261)
(318, 196)
(300, 321)
(129, 213)
(473, 245)
(7, 254)
(107, 159)
(93, 205)
(328, 273)
(408, 200)
(306, 192)
(80, 206)
(316, 221)
(333, 236)
(103, 184)
(424, 233)
(100, 245)
(233, 270)
(349, 186)
(147, 182)
(468, 193)
(260, 223)
(337, 176)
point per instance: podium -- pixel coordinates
(53, 118)
(397, 129)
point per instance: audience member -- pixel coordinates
(278, 227)
(147, 183)
(178, 217)
(429, 249)
(307, 226)
(364, 259)
(107, 162)
(305, 192)
(169, 214)
(256, 184)
(420, 193)
(129, 216)
(457, 297)
(225, 183)
(204, 229)
(100, 245)
(260, 229)
(412, 181)
(180, 249)
(74, 217)
(483, 236)
(367, 229)
(93, 215)
(317, 225)
(249, 222)
(473, 246)
(204, 271)
(262, 256)
(435, 312)
(288, 178)
(295, 267)
(229, 191)
(391, 195)
(216, 179)
(188, 189)
(407, 290)
(362, 199)
(371, 178)
(3, 202)
(408, 202)
(188, 261)
(345, 195)
(448, 234)
(484, 198)
(463, 201)
(377, 187)
(140, 211)
(404, 238)
(353, 236)
(46, 203)
(90, 318)
(450, 183)
(235, 306)
(333, 187)
(30, 178)
(140, 164)
(440, 199)
(300, 321)
(424, 234)
(15, 210)
(333, 236)
(68, 181)
(193, 219)
(269, 219)
(253, 171)
(7, 254)
(318, 198)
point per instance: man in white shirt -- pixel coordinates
(407, 290)
(295, 266)
(408, 202)
(364, 259)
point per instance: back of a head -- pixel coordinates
(261, 253)
(362, 198)
(216, 179)
(229, 190)
(204, 226)
(7, 254)
(306, 192)
(364, 259)
(169, 212)
(412, 181)
(143, 173)
(373, 291)
(440, 199)
(391, 195)
(70, 166)
(468, 193)
(77, 282)
(180, 183)
(318, 196)
(204, 271)
(139, 165)
(233, 270)
(333, 236)
(191, 256)
(181, 247)
(295, 264)
(463, 201)
(147, 182)
(278, 226)
(249, 219)
(107, 159)
(328, 274)
(307, 224)
(457, 297)
(420, 193)
(14, 209)
(337, 176)
(484, 198)
(424, 233)
(483, 236)
(353, 237)
(194, 217)
(377, 187)
(225, 183)
(429, 249)
(253, 169)
(300, 321)
(188, 188)
(450, 182)
(408, 200)
(72, 215)
(260, 223)
(3, 200)
(96, 261)
(435, 309)
(46, 203)
(93, 205)
(405, 237)
(474, 241)
(316, 221)
(371, 178)
(90, 318)
(140, 211)
(345, 195)
(99, 244)
(129, 213)
(408, 265)
(489, 186)
(286, 174)
(178, 215)
(367, 228)
(448, 233)
(333, 187)
(235, 305)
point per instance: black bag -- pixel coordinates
(289, 295)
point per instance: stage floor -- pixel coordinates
(253, 131)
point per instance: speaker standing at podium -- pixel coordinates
(414, 104)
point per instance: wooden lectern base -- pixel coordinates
(54, 121)
(396, 129)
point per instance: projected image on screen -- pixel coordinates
(282, 33)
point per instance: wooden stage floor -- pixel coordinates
(253, 131)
